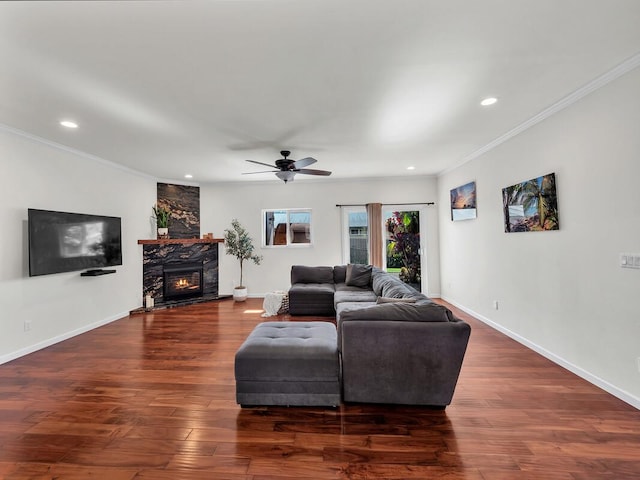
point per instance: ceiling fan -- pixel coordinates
(286, 169)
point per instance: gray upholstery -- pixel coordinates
(410, 363)
(404, 353)
(311, 299)
(396, 300)
(389, 286)
(311, 291)
(358, 275)
(410, 312)
(345, 293)
(289, 363)
(339, 274)
(305, 274)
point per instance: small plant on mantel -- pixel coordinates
(239, 244)
(162, 215)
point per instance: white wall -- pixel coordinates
(220, 203)
(35, 174)
(562, 293)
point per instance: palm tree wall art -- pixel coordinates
(531, 205)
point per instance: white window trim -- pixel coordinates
(346, 253)
(288, 211)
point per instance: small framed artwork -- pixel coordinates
(531, 206)
(463, 202)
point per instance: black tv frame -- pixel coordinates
(44, 226)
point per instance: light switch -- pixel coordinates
(628, 260)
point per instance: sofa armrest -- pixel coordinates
(411, 363)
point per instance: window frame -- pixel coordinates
(288, 212)
(345, 234)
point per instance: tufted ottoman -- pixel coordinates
(289, 363)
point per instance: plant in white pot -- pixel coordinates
(162, 215)
(238, 243)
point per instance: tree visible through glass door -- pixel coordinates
(402, 240)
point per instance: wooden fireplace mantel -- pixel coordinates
(180, 241)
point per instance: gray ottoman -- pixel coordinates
(289, 363)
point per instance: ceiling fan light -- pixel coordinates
(286, 176)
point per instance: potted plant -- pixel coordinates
(161, 214)
(239, 244)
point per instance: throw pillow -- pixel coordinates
(358, 275)
(339, 274)
(395, 300)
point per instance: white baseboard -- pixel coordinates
(57, 339)
(588, 376)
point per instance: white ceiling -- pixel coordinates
(368, 87)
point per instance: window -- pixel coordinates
(286, 227)
(354, 220)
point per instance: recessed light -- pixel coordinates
(188, 175)
(411, 168)
(69, 124)
(488, 101)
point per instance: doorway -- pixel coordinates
(404, 252)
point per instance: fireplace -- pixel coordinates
(182, 281)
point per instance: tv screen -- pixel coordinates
(68, 242)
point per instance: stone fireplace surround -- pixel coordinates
(156, 254)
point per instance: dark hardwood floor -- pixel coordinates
(152, 396)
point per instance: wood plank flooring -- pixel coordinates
(152, 396)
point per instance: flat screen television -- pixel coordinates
(67, 242)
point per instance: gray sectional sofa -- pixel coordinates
(396, 345)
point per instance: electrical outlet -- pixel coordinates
(27, 325)
(495, 304)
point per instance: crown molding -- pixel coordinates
(73, 151)
(595, 84)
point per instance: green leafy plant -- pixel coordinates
(162, 215)
(239, 244)
(403, 246)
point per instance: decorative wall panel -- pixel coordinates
(184, 203)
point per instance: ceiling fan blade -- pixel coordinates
(311, 171)
(265, 171)
(304, 162)
(263, 164)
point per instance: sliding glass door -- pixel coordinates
(402, 226)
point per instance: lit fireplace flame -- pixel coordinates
(182, 283)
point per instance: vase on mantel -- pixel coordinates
(163, 233)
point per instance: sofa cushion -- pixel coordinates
(424, 312)
(395, 288)
(358, 275)
(347, 306)
(305, 274)
(311, 299)
(339, 273)
(378, 279)
(353, 294)
(395, 300)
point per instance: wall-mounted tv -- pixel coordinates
(68, 242)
